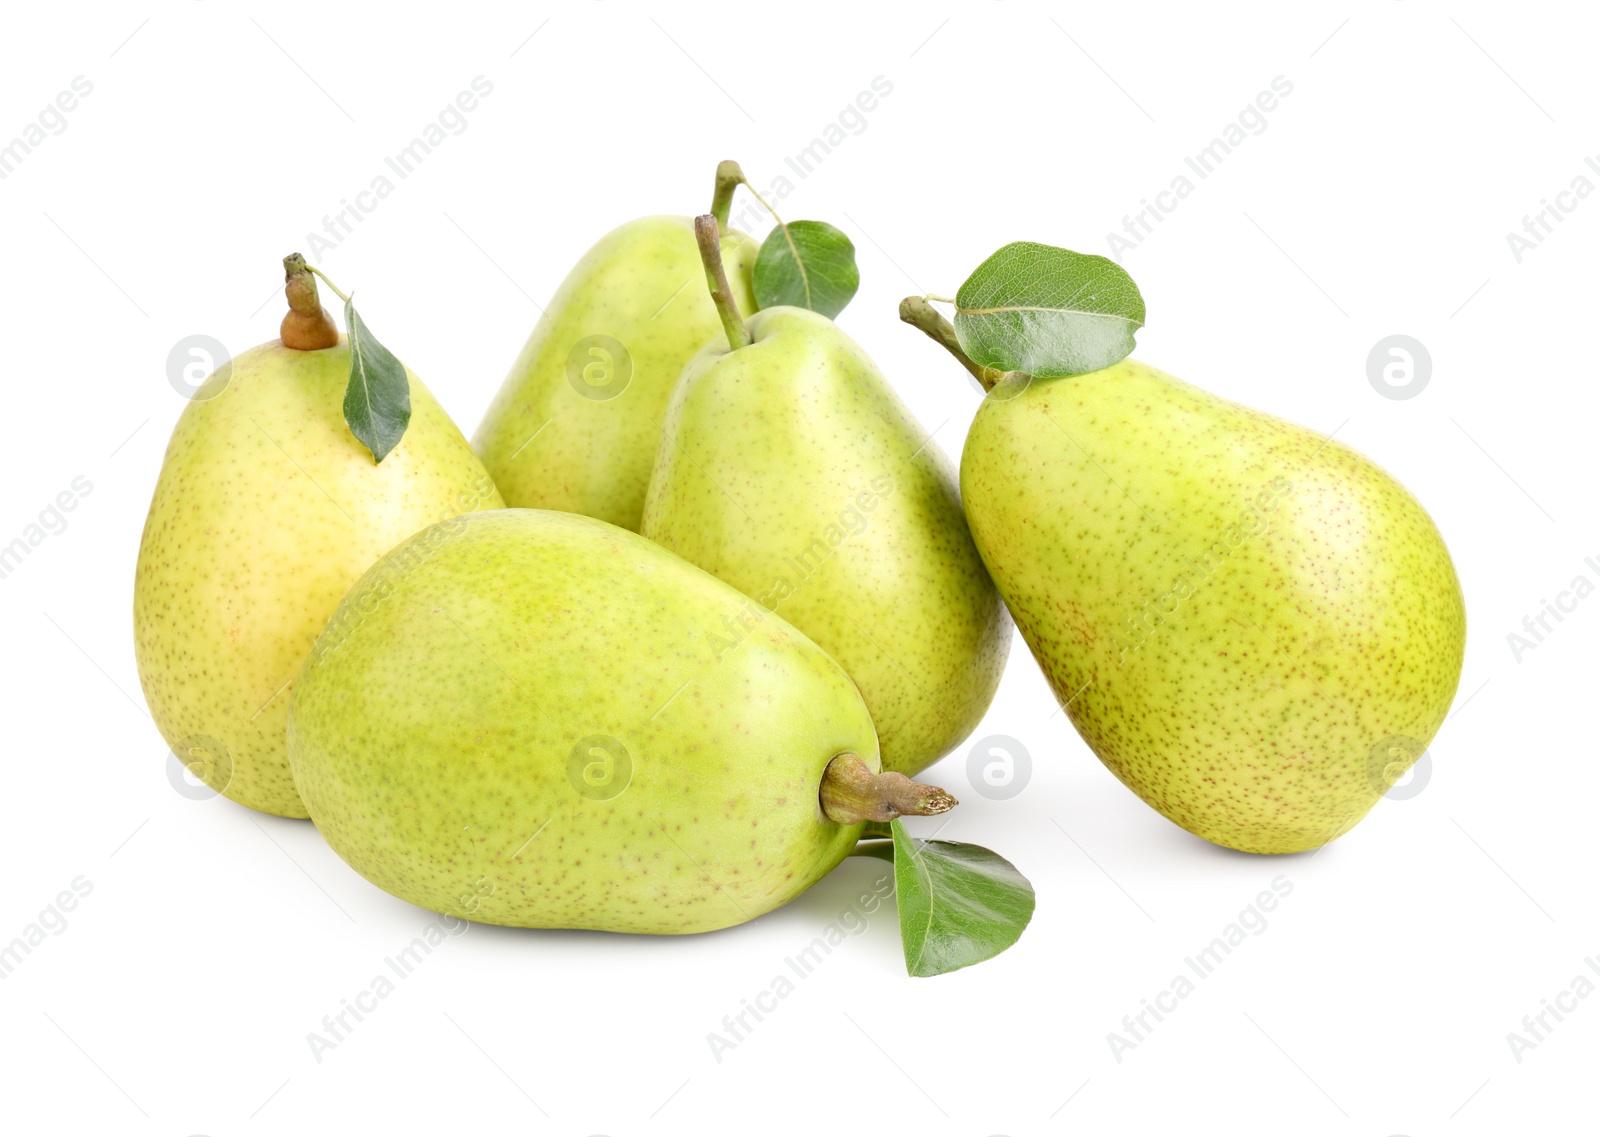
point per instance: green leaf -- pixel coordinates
(1048, 312)
(377, 403)
(959, 904)
(807, 264)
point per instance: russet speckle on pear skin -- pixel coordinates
(1254, 627)
(266, 511)
(444, 724)
(790, 469)
(547, 445)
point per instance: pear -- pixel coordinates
(1253, 626)
(575, 424)
(266, 511)
(521, 717)
(789, 468)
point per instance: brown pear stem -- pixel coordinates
(729, 178)
(307, 326)
(916, 311)
(852, 793)
(709, 236)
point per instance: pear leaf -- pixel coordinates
(959, 904)
(377, 403)
(1048, 312)
(806, 264)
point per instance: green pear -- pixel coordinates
(575, 424)
(1253, 626)
(789, 468)
(521, 717)
(266, 511)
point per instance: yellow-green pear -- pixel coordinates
(575, 424)
(789, 468)
(267, 510)
(521, 717)
(1253, 626)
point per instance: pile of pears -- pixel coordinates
(676, 630)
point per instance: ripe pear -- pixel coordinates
(266, 511)
(1253, 626)
(575, 424)
(789, 468)
(520, 717)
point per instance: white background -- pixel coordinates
(1377, 1001)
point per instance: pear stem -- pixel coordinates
(852, 793)
(729, 178)
(916, 311)
(708, 234)
(307, 326)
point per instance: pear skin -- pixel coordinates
(1254, 627)
(523, 717)
(266, 511)
(790, 469)
(575, 424)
